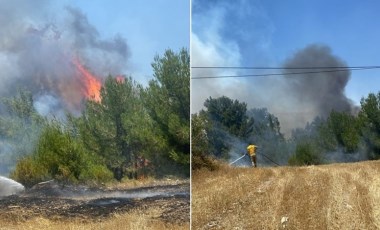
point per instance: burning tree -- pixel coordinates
(90, 84)
(105, 124)
(123, 127)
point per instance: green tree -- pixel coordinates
(305, 154)
(369, 119)
(114, 128)
(326, 137)
(227, 121)
(266, 133)
(231, 114)
(200, 157)
(346, 130)
(167, 99)
(20, 125)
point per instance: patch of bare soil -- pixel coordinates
(61, 202)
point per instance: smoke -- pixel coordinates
(319, 92)
(236, 151)
(221, 37)
(9, 187)
(295, 99)
(41, 47)
(37, 50)
(341, 156)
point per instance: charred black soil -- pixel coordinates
(60, 202)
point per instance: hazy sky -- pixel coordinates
(268, 33)
(42, 43)
(149, 27)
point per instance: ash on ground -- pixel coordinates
(58, 201)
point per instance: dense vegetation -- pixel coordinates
(225, 127)
(133, 131)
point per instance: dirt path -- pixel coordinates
(338, 196)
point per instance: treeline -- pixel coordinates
(225, 127)
(133, 131)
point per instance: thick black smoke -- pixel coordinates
(323, 91)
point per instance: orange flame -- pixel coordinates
(120, 79)
(91, 84)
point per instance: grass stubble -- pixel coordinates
(335, 196)
(136, 219)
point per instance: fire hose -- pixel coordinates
(270, 160)
(261, 154)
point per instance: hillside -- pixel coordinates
(335, 196)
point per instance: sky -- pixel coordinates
(276, 33)
(46, 45)
(148, 27)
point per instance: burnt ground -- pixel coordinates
(57, 202)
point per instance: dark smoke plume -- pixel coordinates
(297, 99)
(294, 99)
(324, 91)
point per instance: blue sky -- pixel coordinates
(149, 27)
(266, 33)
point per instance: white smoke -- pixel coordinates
(38, 45)
(9, 187)
(295, 99)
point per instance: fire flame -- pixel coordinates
(91, 84)
(120, 79)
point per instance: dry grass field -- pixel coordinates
(336, 196)
(137, 219)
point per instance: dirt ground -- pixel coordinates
(336, 196)
(58, 202)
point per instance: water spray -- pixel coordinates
(272, 161)
(238, 159)
(9, 187)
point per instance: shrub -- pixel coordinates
(306, 154)
(60, 156)
(28, 172)
(203, 161)
(96, 173)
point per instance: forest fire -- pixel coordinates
(120, 79)
(91, 85)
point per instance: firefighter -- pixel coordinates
(251, 151)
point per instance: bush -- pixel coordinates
(96, 173)
(306, 154)
(60, 156)
(200, 143)
(28, 173)
(203, 161)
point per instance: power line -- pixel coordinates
(282, 68)
(292, 73)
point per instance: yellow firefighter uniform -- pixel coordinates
(251, 150)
